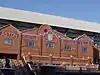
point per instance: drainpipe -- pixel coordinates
(77, 47)
(20, 52)
(60, 45)
(41, 44)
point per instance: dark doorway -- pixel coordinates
(9, 56)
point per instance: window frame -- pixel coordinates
(8, 41)
(83, 49)
(48, 45)
(68, 48)
(28, 43)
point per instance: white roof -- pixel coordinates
(33, 17)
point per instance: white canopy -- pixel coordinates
(33, 17)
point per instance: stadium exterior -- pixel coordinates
(48, 37)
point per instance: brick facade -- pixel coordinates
(44, 41)
(10, 33)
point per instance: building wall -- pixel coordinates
(9, 33)
(84, 42)
(55, 42)
(35, 40)
(98, 48)
(33, 31)
(40, 37)
(95, 55)
(68, 48)
(44, 29)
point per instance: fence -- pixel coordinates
(58, 60)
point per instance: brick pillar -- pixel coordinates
(29, 57)
(63, 65)
(72, 60)
(89, 60)
(23, 58)
(50, 59)
(83, 60)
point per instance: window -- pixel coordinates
(78, 42)
(45, 30)
(85, 49)
(9, 42)
(50, 45)
(30, 43)
(68, 48)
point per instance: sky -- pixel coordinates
(88, 10)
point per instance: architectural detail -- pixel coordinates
(47, 46)
(9, 41)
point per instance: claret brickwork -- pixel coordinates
(45, 44)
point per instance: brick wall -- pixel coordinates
(60, 45)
